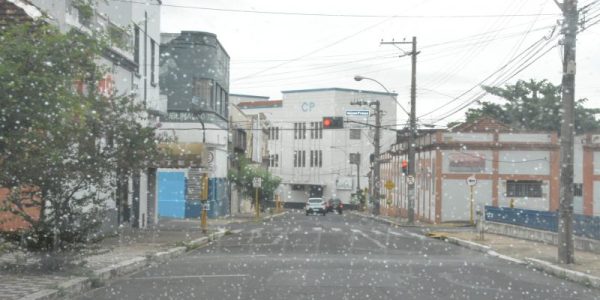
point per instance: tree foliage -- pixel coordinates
(533, 105)
(60, 146)
(242, 178)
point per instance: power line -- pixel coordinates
(317, 14)
(313, 51)
(508, 78)
(505, 66)
(477, 98)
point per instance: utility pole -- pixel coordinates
(376, 162)
(413, 125)
(377, 145)
(566, 253)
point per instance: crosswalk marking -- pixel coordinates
(317, 228)
(335, 229)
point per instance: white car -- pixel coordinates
(315, 206)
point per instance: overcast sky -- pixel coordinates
(285, 45)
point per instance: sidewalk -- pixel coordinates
(541, 256)
(585, 262)
(403, 222)
(22, 276)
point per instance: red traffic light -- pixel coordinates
(333, 122)
(404, 166)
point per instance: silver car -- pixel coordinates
(315, 206)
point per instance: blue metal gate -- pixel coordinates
(171, 194)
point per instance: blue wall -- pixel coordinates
(585, 226)
(171, 194)
(172, 201)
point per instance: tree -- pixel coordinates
(61, 140)
(242, 178)
(532, 105)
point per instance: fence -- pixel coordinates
(584, 226)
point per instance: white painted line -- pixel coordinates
(419, 236)
(335, 229)
(377, 232)
(396, 233)
(189, 277)
(317, 228)
(236, 231)
(376, 242)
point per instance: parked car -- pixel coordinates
(329, 205)
(315, 206)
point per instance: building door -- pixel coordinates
(171, 194)
(316, 191)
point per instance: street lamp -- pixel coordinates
(411, 151)
(360, 78)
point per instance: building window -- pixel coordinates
(136, 47)
(316, 130)
(578, 189)
(202, 92)
(274, 133)
(274, 160)
(316, 158)
(300, 159)
(355, 134)
(152, 62)
(299, 131)
(524, 188)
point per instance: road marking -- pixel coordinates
(317, 228)
(419, 236)
(335, 229)
(190, 277)
(236, 231)
(396, 233)
(377, 232)
(255, 233)
(366, 236)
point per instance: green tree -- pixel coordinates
(60, 146)
(533, 105)
(243, 175)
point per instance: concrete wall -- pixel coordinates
(456, 201)
(546, 237)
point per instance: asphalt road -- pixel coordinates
(336, 257)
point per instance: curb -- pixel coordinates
(382, 220)
(483, 249)
(271, 217)
(103, 276)
(574, 276)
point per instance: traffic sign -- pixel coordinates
(410, 180)
(256, 182)
(389, 185)
(471, 181)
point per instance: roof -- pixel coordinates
(18, 11)
(31, 10)
(249, 96)
(261, 104)
(338, 90)
(483, 124)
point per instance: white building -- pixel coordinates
(133, 31)
(313, 161)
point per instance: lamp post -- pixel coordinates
(411, 150)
